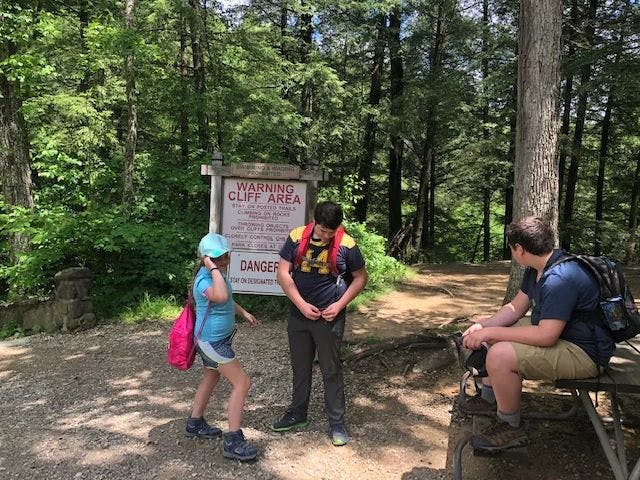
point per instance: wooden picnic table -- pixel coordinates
(621, 376)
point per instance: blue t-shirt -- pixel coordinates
(313, 278)
(221, 318)
(569, 293)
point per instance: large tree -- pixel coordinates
(536, 167)
(396, 140)
(15, 168)
(371, 125)
(132, 108)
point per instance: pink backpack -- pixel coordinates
(182, 345)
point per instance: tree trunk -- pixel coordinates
(431, 224)
(633, 214)
(371, 127)
(511, 156)
(83, 17)
(15, 168)
(397, 141)
(486, 222)
(287, 151)
(183, 116)
(132, 115)
(486, 190)
(536, 168)
(576, 147)
(306, 101)
(199, 77)
(427, 168)
(602, 160)
(566, 97)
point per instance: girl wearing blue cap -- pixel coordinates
(213, 299)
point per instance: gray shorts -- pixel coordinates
(216, 353)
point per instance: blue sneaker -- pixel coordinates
(199, 428)
(236, 446)
(339, 435)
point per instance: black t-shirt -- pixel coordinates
(569, 293)
(313, 278)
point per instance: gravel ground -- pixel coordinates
(103, 404)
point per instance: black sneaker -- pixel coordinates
(500, 436)
(289, 421)
(199, 428)
(236, 446)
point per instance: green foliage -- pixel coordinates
(152, 308)
(69, 78)
(383, 271)
(11, 330)
(127, 257)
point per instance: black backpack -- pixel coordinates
(619, 312)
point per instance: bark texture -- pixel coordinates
(132, 112)
(371, 127)
(426, 191)
(536, 168)
(396, 139)
(15, 168)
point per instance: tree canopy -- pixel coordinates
(109, 107)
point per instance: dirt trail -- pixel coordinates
(102, 404)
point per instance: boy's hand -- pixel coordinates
(473, 328)
(310, 311)
(331, 312)
(475, 339)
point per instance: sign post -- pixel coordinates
(255, 206)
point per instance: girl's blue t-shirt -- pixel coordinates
(221, 317)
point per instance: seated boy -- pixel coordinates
(564, 338)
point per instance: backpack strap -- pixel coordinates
(304, 243)
(334, 247)
(601, 269)
(606, 273)
(565, 257)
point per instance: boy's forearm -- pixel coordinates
(504, 317)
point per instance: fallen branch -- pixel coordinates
(425, 340)
(441, 290)
(462, 319)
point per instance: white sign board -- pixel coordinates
(254, 272)
(257, 216)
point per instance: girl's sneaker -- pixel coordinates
(199, 428)
(236, 446)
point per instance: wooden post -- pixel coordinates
(312, 198)
(215, 203)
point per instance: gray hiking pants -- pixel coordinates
(305, 338)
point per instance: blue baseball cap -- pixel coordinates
(213, 245)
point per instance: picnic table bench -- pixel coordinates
(621, 377)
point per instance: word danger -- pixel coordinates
(258, 266)
(258, 191)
